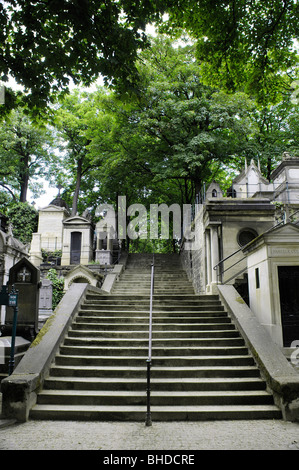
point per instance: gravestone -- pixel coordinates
(45, 301)
(25, 277)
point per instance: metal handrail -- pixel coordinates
(148, 421)
(218, 265)
(244, 246)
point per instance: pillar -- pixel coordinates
(214, 252)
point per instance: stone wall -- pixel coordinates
(193, 255)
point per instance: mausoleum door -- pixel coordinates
(289, 303)
(76, 238)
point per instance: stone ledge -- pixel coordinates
(281, 378)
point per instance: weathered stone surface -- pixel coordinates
(279, 374)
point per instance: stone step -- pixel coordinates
(164, 384)
(131, 309)
(93, 317)
(169, 289)
(157, 315)
(136, 351)
(163, 279)
(173, 298)
(158, 278)
(121, 334)
(158, 413)
(158, 361)
(171, 301)
(146, 291)
(201, 367)
(172, 342)
(125, 372)
(158, 398)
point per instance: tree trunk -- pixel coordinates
(24, 178)
(269, 168)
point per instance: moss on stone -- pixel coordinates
(43, 331)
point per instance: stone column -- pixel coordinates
(214, 252)
(208, 256)
(35, 250)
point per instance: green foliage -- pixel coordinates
(72, 120)
(24, 220)
(53, 254)
(5, 200)
(25, 152)
(242, 45)
(44, 45)
(167, 141)
(58, 286)
(176, 132)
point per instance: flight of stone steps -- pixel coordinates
(201, 369)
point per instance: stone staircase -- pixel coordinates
(201, 369)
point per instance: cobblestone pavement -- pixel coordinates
(214, 435)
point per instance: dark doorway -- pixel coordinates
(76, 247)
(288, 277)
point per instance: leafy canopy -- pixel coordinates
(244, 45)
(25, 151)
(45, 44)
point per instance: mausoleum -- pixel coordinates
(250, 240)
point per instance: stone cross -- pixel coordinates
(24, 275)
(59, 187)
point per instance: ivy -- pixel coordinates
(58, 287)
(24, 220)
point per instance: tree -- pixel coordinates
(243, 45)
(179, 129)
(45, 45)
(75, 119)
(278, 132)
(25, 149)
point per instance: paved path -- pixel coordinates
(216, 435)
(166, 436)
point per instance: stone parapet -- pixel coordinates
(281, 377)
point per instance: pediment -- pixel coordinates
(80, 269)
(283, 234)
(52, 208)
(82, 274)
(76, 220)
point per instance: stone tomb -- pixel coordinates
(26, 279)
(77, 245)
(49, 234)
(273, 278)
(82, 274)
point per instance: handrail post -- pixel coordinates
(148, 421)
